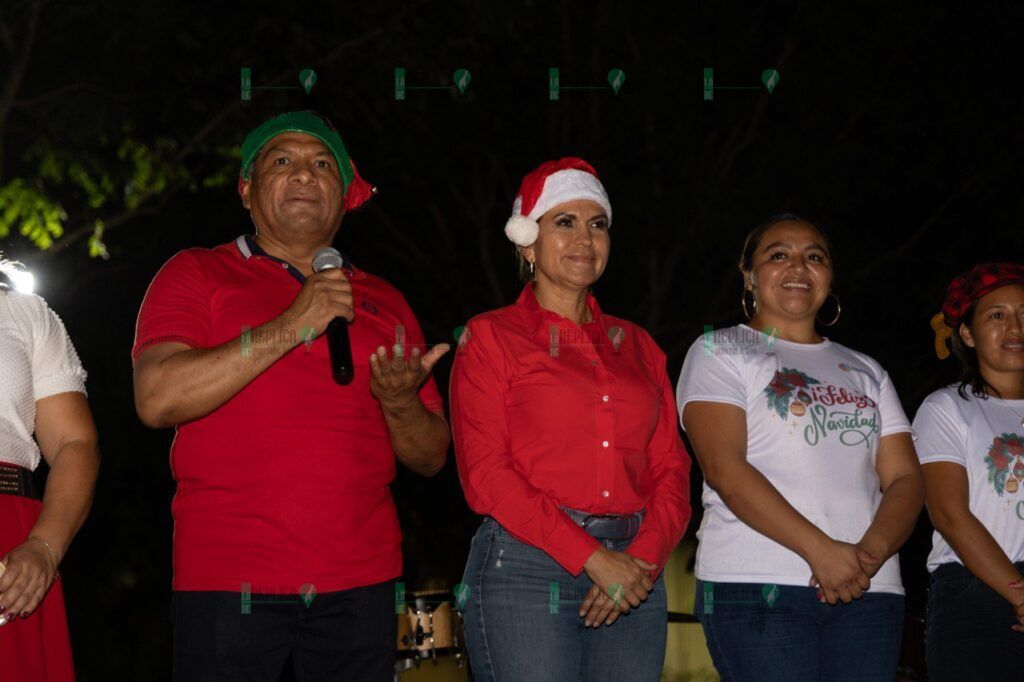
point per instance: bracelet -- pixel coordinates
(53, 553)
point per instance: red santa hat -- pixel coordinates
(550, 184)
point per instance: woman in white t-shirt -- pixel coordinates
(970, 439)
(811, 480)
(42, 391)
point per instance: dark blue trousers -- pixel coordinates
(348, 635)
(967, 630)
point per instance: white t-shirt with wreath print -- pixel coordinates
(815, 416)
(985, 437)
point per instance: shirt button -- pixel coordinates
(593, 362)
(604, 493)
(604, 444)
(604, 398)
(284, 265)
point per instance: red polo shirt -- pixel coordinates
(547, 414)
(287, 482)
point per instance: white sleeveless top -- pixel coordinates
(37, 359)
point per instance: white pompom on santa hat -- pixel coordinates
(550, 184)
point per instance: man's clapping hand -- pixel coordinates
(395, 382)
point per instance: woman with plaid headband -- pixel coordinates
(970, 440)
(810, 478)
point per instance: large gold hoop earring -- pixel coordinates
(743, 302)
(839, 310)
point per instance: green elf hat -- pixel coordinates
(357, 190)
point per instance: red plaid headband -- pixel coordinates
(975, 283)
(964, 290)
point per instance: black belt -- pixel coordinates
(15, 480)
(607, 526)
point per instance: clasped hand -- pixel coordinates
(843, 571)
(621, 581)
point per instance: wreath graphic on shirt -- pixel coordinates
(780, 392)
(1005, 450)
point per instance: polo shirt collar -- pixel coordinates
(537, 316)
(248, 248)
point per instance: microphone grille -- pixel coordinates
(326, 258)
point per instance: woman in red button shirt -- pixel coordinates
(566, 439)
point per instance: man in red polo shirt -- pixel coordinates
(286, 540)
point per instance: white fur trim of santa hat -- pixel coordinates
(522, 230)
(562, 186)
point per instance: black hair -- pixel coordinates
(753, 239)
(970, 369)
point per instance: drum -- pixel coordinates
(429, 627)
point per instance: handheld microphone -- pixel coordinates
(337, 329)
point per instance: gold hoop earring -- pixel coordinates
(743, 302)
(839, 310)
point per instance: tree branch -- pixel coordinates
(5, 36)
(86, 229)
(89, 87)
(141, 209)
(18, 73)
(922, 230)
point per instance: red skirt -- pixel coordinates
(37, 648)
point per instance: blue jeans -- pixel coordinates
(797, 638)
(968, 635)
(521, 619)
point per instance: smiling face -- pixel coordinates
(572, 245)
(295, 187)
(996, 332)
(790, 273)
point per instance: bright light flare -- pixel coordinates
(24, 281)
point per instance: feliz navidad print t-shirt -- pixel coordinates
(815, 416)
(985, 437)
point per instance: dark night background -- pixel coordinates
(897, 129)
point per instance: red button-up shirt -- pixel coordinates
(547, 414)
